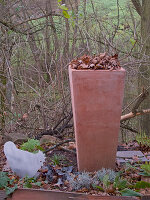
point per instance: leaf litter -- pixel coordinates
(97, 62)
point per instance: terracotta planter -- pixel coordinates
(29, 194)
(97, 97)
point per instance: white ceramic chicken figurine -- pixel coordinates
(23, 163)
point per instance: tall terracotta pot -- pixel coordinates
(97, 97)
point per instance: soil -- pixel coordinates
(68, 158)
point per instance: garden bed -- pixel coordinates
(60, 160)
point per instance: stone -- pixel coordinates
(130, 156)
(15, 137)
(49, 139)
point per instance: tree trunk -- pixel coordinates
(2, 97)
(144, 70)
(144, 76)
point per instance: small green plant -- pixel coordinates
(141, 185)
(31, 145)
(129, 166)
(143, 139)
(5, 181)
(56, 159)
(109, 179)
(103, 180)
(29, 182)
(145, 169)
(120, 183)
(104, 173)
(129, 192)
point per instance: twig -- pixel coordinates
(59, 122)
(132, 115)
(138, 101)
(56, 145)
(134, 99)
(36, 18)
(59, 130)
(68, 150)
(66, 123)
(142, 97)
(128, 128)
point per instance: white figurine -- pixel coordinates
(23, 163)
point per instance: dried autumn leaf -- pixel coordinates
(86, 59)
(102, 55)
(96, 62)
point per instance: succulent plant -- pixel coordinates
(104, 177)
(83, 180)
(103, 172)
(145, 169)
(108, 177)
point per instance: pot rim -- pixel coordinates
(97, 71)
(76, 194)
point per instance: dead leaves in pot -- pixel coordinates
(97, 62)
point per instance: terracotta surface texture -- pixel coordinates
(97, 97)
(29, 194)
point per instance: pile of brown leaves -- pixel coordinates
(99, 62)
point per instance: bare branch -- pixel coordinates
(132, 115)
(136, 99)
(137, 6)
(138, 102)
(56, 131)
(143, 96)
(11, 27)
(35, 18)
(56, 145)
(128, 128)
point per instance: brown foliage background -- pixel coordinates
(37, 43)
